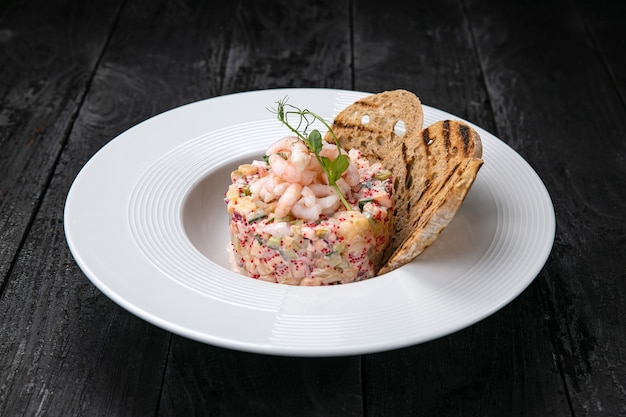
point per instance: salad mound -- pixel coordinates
(290, 225)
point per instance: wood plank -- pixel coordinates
(48, 53)
(577, 122)
(604, 20)
(215, 381)
(277, 43)
(503, 365)
(66, 348)
(271, 44)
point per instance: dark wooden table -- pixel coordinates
(547, 77)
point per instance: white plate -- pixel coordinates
(146, 222)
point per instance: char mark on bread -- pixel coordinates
(433, 167)
(465, 134)
(426, 137)
(438, 171)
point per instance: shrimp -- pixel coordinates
(287, 200)
(329, 204)
(316, 199)
(308, 196)
(297, 180)
(294, 149)
(329, 150)
(259, 187)
(256, 186)
(307, 207)
(285, 144)
(275, 184)
(321, 190)
(266, 196)
(352, 175)
(311, 213)
(300, 156)
(344, 187)
(289, 171)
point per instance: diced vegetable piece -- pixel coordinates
(382, 175)
(273, 242)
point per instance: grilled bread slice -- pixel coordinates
(433, 168)
(432, 178)
(376, 124)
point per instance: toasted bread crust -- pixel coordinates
(430, 226)
(432, 178)
(433, 168)
(369, 124)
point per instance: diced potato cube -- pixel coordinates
(245, 205)
(232, 193)
(247, 169)
(355, 225)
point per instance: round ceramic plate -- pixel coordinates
(146, 221)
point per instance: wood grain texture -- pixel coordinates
(61, 323)
(287, 44)
(208, 381)
(604, 19)
(547, 77)
(577, 122)
(66, 348)
(110, 363)
(48, 51)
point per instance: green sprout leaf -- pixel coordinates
(315, 141)
(338, 166)
(334, 168)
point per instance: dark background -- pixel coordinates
(547, 77)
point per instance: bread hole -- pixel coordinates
(380, 140)
(365, 119)
(399, 128)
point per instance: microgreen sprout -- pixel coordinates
(333, 168)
